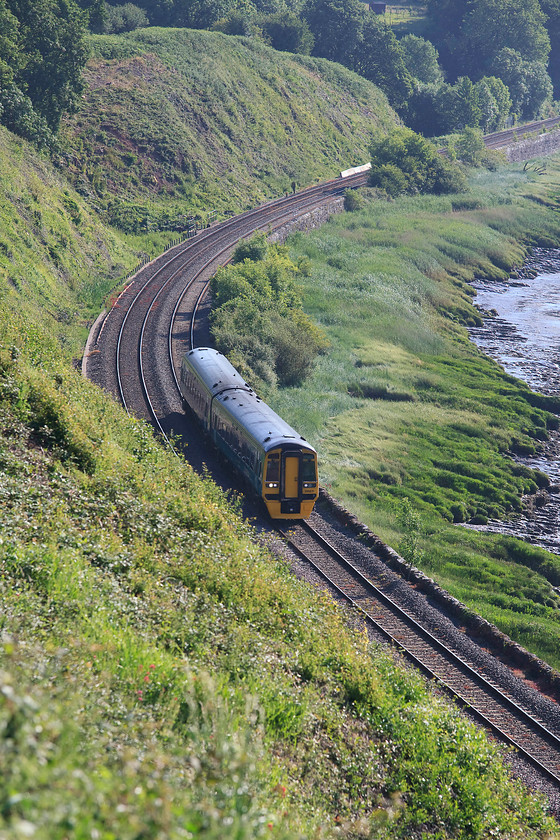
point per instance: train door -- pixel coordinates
(290, 486)
(291, 475)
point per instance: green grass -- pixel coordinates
(161, 674)
(176, 121)
(403, 408)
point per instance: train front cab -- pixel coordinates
(290, 482)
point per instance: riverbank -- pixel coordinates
(413, 424)
(521, 331)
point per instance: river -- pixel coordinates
(521, 331)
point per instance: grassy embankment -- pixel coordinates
(177, 122)
(160, 675)
(413, 424)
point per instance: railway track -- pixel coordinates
(137, 346)
(510, 135)
(135, 357)
(494, 705)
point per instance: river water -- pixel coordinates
(521, 331)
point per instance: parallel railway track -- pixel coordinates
(504, 138)
(135, 357)
(490, 703)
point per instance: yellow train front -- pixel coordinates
(279, 464)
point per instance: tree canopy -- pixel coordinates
(42, 54)
(345, 32)
(405, 162)
(469, 35)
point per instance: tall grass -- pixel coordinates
(405, 411)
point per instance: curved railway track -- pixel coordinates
(496, 706)
(137, 344)
(510, 135)
(135, 356)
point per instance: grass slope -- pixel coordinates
(161, 675)
(177, 121)
(413, 424)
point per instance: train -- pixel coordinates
(278, 464)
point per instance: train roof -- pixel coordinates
(215, 371)
(259, 420)
(240, 401)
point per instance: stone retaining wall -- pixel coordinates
(308, 221)
(536, 146)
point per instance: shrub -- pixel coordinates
(257, 320)
(404, 162)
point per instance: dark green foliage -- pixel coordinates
(287, 32)
(470, 35)
(124, 18)
(51, 38)
(551, 8)
(254, 249)
(504, 38)
(96, 11)
(353, 200)
(42, 54)
(344, 32)
(405, 162)
(528, 82)
(442, 109)
(421, 59)
(257, 320)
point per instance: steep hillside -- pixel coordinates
(161, 675)
(57, 257)
(176, 121)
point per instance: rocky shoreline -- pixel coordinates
(500, 339)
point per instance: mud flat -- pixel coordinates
(521, 331)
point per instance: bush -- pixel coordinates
(257, 320)
(353, 201)
(404, 162)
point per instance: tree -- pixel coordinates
(124, 18)
(470, 146)
(469, 35)
(96, 11)
(551, 9)
(405, 162)
(528, 82)
(421, 59)
(378, 57)
(347, 33)
(336, 26)
(463, 104)
(444, 21)
(494, 103)
(287, 32)
(426, 111)
(52, 40)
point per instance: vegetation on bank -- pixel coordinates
(257, 320)
(414, 426)
(177, 123)
(162, 675)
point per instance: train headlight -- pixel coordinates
(271, 484)
(308, 484)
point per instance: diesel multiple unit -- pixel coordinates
(278, 463)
